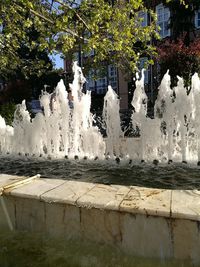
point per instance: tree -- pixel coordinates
(180, 60)
(180, 54)
(112, 29)
(182, 19)
(21, 55)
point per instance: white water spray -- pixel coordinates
(68, 130)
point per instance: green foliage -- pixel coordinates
(114, 31)
(22, 50)
(181, 54)
(29, 29)
(7, 112)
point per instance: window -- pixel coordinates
(143, 16)
(197, 19)
(163, 16)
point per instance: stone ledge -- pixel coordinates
(6, 179)
(106, 197)
(146, 222)
(186, 204)
(149, 201)
(9, 182)
(36, 188)
(182, 204)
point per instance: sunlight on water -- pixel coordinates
(26, 250)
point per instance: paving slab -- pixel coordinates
(186, 204)
(68, 193)
(104, 197)
(36, 188)
(149, 201)
(6, 179)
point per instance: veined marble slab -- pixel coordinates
(36, 188)
(183, 204)
(68, 193)
(6, 179)
(108, 197)
(186, 204)
(147, 201)
(104, 197)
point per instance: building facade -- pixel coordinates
(115, 78)
(164, 16)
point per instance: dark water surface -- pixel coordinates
(169, 176)
(28, 250)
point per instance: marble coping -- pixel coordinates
(9, 181)
(183, 204)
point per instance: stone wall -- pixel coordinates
(145, 222)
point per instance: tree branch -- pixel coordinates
(52, 22)
(73, 9)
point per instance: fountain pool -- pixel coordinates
(109, 193)
(170, 176)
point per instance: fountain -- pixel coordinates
(62, 131)
(117, 201)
